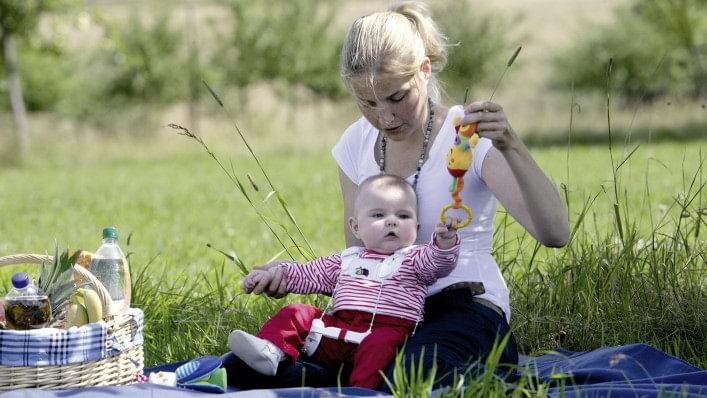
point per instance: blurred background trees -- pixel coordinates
(659, 48)
(18, 20)
(117, 71)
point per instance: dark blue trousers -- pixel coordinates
(457, 335)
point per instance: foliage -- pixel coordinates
(142, 60)
(22, 16)
(140, 65)
(479, 44)
(44, 64)
(294, 42)
(658, 48)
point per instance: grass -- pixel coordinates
(603, 289)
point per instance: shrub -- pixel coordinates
(657, 50)
(480, 44)
(295, 42)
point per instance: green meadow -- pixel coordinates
(641, 282)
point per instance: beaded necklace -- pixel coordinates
(425, 142)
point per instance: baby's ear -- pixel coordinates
(418, 227)
(353, 225)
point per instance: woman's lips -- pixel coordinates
(393, 130)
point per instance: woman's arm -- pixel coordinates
(516, 179)
(348, 192)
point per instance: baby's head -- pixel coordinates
(385, 213)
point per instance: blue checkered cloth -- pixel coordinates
(52, 346)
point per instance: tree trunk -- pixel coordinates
(19, 114)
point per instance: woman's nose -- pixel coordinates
(386, 116)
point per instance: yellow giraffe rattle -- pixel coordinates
(458, 162)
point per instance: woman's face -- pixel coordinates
(396, 106)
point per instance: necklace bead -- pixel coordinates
(425, 141)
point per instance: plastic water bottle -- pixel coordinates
(111, 268)
(26, 306)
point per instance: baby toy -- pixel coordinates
(458, 162)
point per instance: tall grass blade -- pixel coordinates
(255, 157)
(508, 65)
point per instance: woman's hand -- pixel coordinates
(516, 179)
(492, 123)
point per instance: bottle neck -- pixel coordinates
(110, 240)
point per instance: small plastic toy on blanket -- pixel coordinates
(459, 159)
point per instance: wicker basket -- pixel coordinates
(112, 370)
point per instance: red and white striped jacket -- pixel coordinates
(402, 294)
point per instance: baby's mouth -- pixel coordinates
(391, 234)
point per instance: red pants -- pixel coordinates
(289, 327)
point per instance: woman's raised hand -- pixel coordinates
(492, 123)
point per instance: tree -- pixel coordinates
(19, 18)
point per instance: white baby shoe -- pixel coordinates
(261, 355)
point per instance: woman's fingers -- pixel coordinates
(491, 127)
(482, 106)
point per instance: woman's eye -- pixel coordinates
(398, 98)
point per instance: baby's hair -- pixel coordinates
(394, 42)
(385, 181)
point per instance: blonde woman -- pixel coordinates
(389, 61)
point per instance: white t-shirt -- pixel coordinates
(354, 154)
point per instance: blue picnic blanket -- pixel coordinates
(635, 370)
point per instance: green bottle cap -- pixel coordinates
(110, 232)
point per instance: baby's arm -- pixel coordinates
(317, 276)
(439, 257)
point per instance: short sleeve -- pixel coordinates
(482, 148)
(346, 152)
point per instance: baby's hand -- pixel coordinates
(446, 234)
(253, 278)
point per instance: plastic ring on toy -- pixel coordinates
(469, 215)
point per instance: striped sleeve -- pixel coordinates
(432, 262)
(317, 276)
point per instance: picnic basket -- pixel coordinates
(123, 359)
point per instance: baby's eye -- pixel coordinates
(377, 215)
(405, 216)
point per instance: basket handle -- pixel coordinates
(80, 273)
(25, 259)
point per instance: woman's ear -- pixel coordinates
(353, 225)
(426, 67)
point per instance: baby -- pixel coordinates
(378, 291)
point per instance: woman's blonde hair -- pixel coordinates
(394, 42)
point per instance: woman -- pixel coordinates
(389, 62)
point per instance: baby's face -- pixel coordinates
(385, 219)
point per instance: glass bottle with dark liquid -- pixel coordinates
(26, 306)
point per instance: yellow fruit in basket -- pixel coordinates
(84, 258)
(76, 315)
(93, 305)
